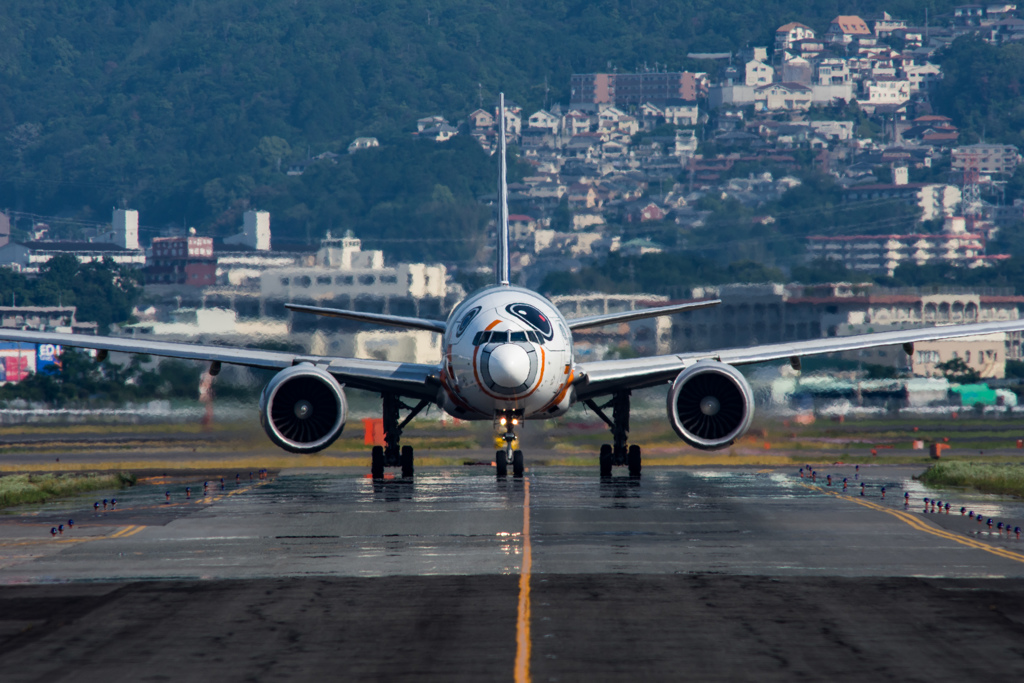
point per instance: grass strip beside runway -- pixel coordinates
(1007, 479)
(18, 489)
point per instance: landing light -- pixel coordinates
(503, 421)
(515, 421)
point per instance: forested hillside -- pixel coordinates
(186, 109)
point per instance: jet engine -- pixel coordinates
(710, 405)
(303, 409)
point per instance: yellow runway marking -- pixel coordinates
(921, 525)
(123, 532)
(522, 674)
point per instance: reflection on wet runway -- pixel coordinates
(465, 521)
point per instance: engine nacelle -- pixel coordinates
(303, 409)
(710, 405)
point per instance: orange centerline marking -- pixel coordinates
(522, 673)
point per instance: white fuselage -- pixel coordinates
(506, 349)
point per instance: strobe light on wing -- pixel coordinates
(710, 405)
(303, 409)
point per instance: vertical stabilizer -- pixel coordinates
(502, 269)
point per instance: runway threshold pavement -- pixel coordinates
(685, 574)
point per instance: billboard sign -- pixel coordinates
(48, 357)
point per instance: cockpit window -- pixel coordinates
(532, 317)
(501, 336)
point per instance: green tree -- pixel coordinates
(956, 370)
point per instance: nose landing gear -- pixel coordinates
(510, 453)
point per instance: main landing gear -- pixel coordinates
(617, 453)
(390, 455)
(510, 454)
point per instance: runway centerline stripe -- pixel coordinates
(919, 524)
(522, 673)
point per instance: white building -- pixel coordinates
(758, 73)
(886, 90)
(681, 113)
(782, 96)
(255, 231)
(27, 257)
(362, 143)
(790, 33)
(543, 120)
(343, 269)
(922, 77)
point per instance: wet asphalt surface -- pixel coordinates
(685, 574)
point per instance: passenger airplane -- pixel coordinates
(508, 357)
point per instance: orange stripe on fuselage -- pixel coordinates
(561, 394)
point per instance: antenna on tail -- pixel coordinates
(503, 266)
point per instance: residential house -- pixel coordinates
(513, 119)
(810, 49)
(534, 139)
(543, 120)
(681, 112)
(521, 227)
(651, 116)
(643, 212)
(575, 122)
(438, 133)
(833, 130)
(885, 25)
(430, 122)
(844, 29)
(583, 196)
(787, 34)
(922, 77)
(833, 71)
(758, 73)
(584, 145)
(481, 119)
(782, 96)
(885, 90)
(362, 143)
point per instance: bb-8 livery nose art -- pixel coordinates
(507, 350)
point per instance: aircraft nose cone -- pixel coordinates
(509, 365)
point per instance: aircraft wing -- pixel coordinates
(639, 314)
(379, 318)
(407, 379)
(602, 377)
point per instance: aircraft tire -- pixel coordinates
(377, 462)
(606, 460)
(633, 459)
(501, 460)
(407, 460)
(517, 463)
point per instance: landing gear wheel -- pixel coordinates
(633, 460)
(501, 461)
(606, 460)
(517, 463)
(377, 462)
(407, 468)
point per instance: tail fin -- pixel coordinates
(503, 266)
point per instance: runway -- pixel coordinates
(686, 574)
